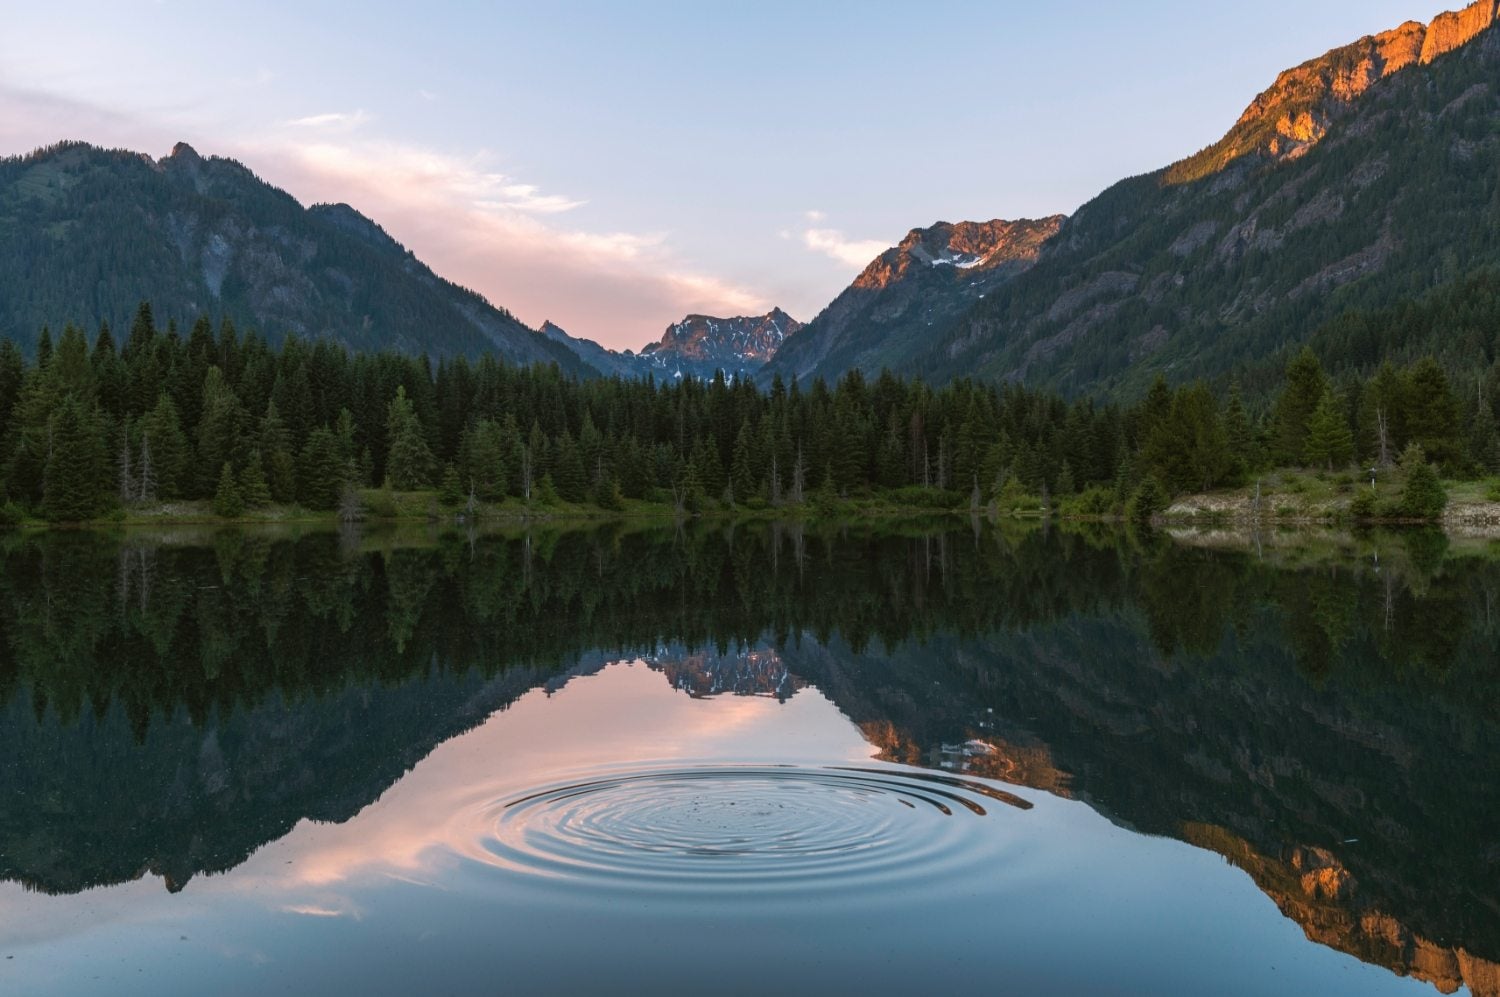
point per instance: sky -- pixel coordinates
(615, 166)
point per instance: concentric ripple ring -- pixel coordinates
(725, 826)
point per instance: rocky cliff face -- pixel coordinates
(699, 345)
(905, 293)
(1296, 112)
(1360, 180)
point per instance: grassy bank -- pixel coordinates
(1295, 497)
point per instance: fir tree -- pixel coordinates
(1306, 384)
(1329, 442)
(409, 461)
(254, 489)
(1424, 496)
(320, 477)
(228, 503)
(76, 476)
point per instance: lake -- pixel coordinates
(748, 759)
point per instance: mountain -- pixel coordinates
(86, 234)
(698, 346)
(607, 362)
(1361, 179)
(911, 291)
(701, 344)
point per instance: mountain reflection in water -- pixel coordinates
(174, 705)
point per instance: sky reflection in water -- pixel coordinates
(413, 893)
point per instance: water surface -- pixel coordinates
(746, 760)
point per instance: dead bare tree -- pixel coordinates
(127, 479)
(1382, 437)
(146, 491)
(527, 473)
(799, 478)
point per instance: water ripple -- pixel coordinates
(780, 827)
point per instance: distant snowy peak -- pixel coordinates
(699, 345)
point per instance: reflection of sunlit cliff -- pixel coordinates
(1314, 888)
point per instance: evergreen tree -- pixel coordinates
(163, 439)
(320, 478)
(409, 462)
(228, 503)
(1306, 384)
(276, 447)
(1424, 496)
(450, 490)
(1329, 442)
(76, 480)
(254, 488)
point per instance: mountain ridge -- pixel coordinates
(88, 233)
(926, 279)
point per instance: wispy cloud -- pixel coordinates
(502, 236)
(338, 120)
(832, 242)
(522, 246)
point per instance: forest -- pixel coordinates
(91, 428)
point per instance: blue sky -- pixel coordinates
(613, 166)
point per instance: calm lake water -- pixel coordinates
(749, 760)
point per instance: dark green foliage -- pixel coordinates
(76, 483)
(322, 475)
(254, 490)
(1148, 500)
(228, 502)
(409, 463)
(331, 420)
(1424, 496)
(1329, 442)
(1306, 384)
(450, 490)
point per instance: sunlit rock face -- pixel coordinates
(911, 290)
(1295, 112)
(699, 345)
(1312, 887)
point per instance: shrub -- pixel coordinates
(1094, 501)
(1364, 506)
(1149, 499)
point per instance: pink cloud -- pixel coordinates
(500, 235)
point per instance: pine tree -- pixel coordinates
(450, 489)
(1329, 442)
(161, 433)
(276, 449)
(76, 475)
(228, 503)
(253, 486)
(320, 477)
(1424, 496)
(409, 461)
(1306, 384)
(220, 429)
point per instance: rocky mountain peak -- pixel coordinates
(1294, 114)
(963, 246)
(184, 153)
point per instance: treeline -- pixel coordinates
(87, 427)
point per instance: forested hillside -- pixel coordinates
(1362, 179)
(86, 234)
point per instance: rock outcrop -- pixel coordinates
(914, 287)
(1295, 112)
